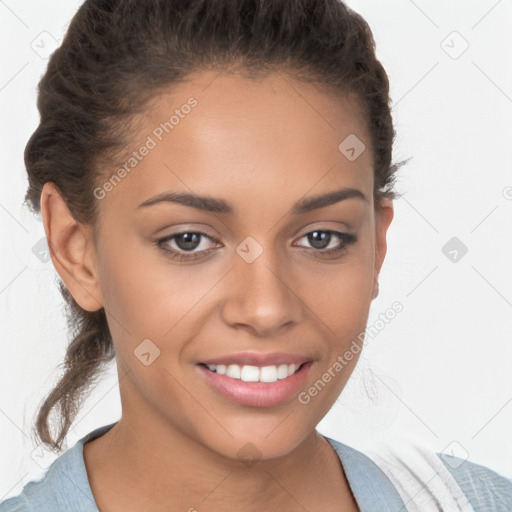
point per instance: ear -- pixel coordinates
(72, 249)
(384, 216)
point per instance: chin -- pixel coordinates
(252, 444)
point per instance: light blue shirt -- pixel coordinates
(65, 485)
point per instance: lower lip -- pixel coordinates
(257, 394)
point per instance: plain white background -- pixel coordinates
(440, 372)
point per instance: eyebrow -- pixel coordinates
(215, 205)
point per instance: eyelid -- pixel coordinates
(175, 234)
(307, 231)
(345, 240)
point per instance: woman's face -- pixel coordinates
(255, 274)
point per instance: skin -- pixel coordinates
(262, 145)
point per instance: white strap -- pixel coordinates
(420, 477)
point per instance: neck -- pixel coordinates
(131, 462)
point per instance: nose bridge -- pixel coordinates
(260, 296)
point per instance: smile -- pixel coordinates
(257, 386)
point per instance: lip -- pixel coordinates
(259, 359)
(256, 394)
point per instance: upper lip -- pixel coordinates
(258, 359)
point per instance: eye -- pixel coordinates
(186, 244)
(321, 239)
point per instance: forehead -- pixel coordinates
(221, 135)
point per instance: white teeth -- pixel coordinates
(268, 374)
(249, 373)
(282, 371)
(233, 371)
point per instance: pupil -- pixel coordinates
(190, 240)
(319, 236)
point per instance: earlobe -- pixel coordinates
(71, 248)
(376, 288)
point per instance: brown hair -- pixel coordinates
(118, 54)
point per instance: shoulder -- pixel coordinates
(62, 486)
(484, 488)
(424, 476)
(40, 494)
(399, 474)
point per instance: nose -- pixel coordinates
(261, 296)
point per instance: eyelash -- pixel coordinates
(347, 239)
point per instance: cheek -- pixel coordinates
(146, 296)
(341, 295)
(134, 292)
(341, 305)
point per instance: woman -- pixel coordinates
(216, 185)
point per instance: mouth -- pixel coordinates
(256, 386)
